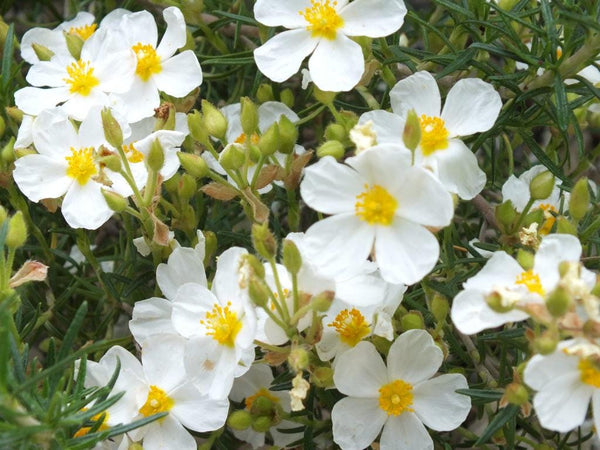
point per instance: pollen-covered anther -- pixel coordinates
(157, 402)
(351, 326)
(133, 154)
(589, 372)
(531, 281)
(84, 31)
(323, 19)
(396, 397)
(81, 165)
(81, 78)
(376, 205)
(148, 61)
(434, 135)
(222, 324)
(243, 138)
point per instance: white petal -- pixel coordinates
(360, 372)
(48, 38)
(373, 18)
(226, 283)
(336, 65)
(500, 270)
(405, 251)
(438, 405)
(541, 370)
(47, 73)
(419, 92)
(280, 57)
(39, 177)
(78, 106)
(413, 357)
(33, 101)
(190, 305)
(356, 422)
(405, 431)
(553, 249)
(259, 376)
(151, 317)
(361, 290)
(196, 411)
(116, 72)
(168, 433)
(140, 101)
(388, 127)
(211, 365)
(331, 187)
(472, 106)
(184, 266)
(85, 207)
(162, 358)
(179, 75)
(274, 13)
(384, 165)
(271, 112)
(175, 35)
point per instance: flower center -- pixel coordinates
(242, 138)
(549, 217)
(81, 78)
(81, 165)
(262, 392)
(375, 205)
(85, 430)
(148, 62)
(531, 280)
(589, 372)
(84, 32)
(133, 154)
(396, 397)
(351, 326)
(222, 324)
(434, 135)
(158, 401)
(323, 20)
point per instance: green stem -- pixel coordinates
(523, 214)
(284, 309)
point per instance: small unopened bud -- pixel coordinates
(248, 116)
(17, 231)
(43, 53)
(252, 261)
(258, 292)
(112, 129)
(579, 202)
(239, 420)
(193, 164)
(565, 226)
(232, 157)
(214, 120)
(197, 126)
(324, 97)
(254, 152)
(135, 446)
(261, 424)
(115, 202)
(298, 359)
(287, 97)
(187, 187)
(171, 184)
(496, 303)
(412, 321)
(111, 162)
(74, 44)
(558, 302)
(335, 132)
(8, 151)
(288, 135)
(322, 301)
(269, 141)
(516, 394)
(439, 308)
(541, 186)
(411, 136)
(322, 377)
(525, 259)
(14, 113)
(545, 343)
(262, 406)
(156, 156)
(505, 215)
(264, 93)
(20, 152)
(264, 241)
(331, 148)
(292, 259)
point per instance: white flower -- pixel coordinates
(323, 29)
(105, 66)
(378, 201)
(471, 106)
(566, 381)
(158, 68)
(66, 165)
(399, 398)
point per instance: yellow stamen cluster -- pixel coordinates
(589, 372)
(222, 324)
(434, 135)
(376, 205)
(242, 138)
(550, 219)
(84, 32)
(148, 62)
(81, 78)
(157, 402)
(85, 430)
(396, 397)
(532, 282)
(133, 154)
(351, 326)
(262, 392)
(323, 19)
(81, 165)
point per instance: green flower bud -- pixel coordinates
(288, 135)
(187, 187)
(111, 162)
(497, 304)
(262, 406)
(411, 135)
(261, 424)
(541, 186)
(322, 377)
(322, 301)
(252, 261)
(439, 308)
(298, 359)
(336, 132)
(258, 292)
(43, 53)
(324, 97)
(20, 152)
(292, 260)
(579, 202)
(197, 126)
(156, 156)
(331, 148)
(135, 446)
(8, 152)
(74, 44)
(545, 344)
(17, 231)
(172, 183)
(14, 113)
(536, 215)
(264, 93)
(505, 215)
(210, 246)
(254, 152)
(115, 202)
(264, 241)
(112, 129)
(558, 302)
(516, 394)
(239, 420)
(248, 116)
(412, 321)
(525, 259)
(564, 226)
(193, 164)
(287, 97)
(269, 141)
(232, 157)
(214, 120)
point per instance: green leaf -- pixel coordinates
(7, 56)
(502, 417)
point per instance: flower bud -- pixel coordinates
(439, 308)
(541, 186)
(525, 259)
(43, 53)
(331, 148)
(115, 202)
(252, 261)
(264, 241)
(412, 321)
(558, 302)
(135, 446)
(17, 231)
(545, 343)
(298, 359)
(156, 156)
(112, 129)
(579, 202)
(197, 126)
(516, 394)
(292, 259)
(269, 141)
(287, 97)
(232, 157)
(74, 44)
(505, 215)
(258, 292)
(193, 164)
(171, 184)
(322, 301)
(239, 420)
(248, 116)
(565, 226)
(261, 424)
(411, 136)
(187, 187)
(497, 304)
(322, 377)
(324, 97)
(111, 162)
(214, 120)
(20, 152)
(264, 93)
(288, 135)
(8, 151)
(335, 132)
(14, 113)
